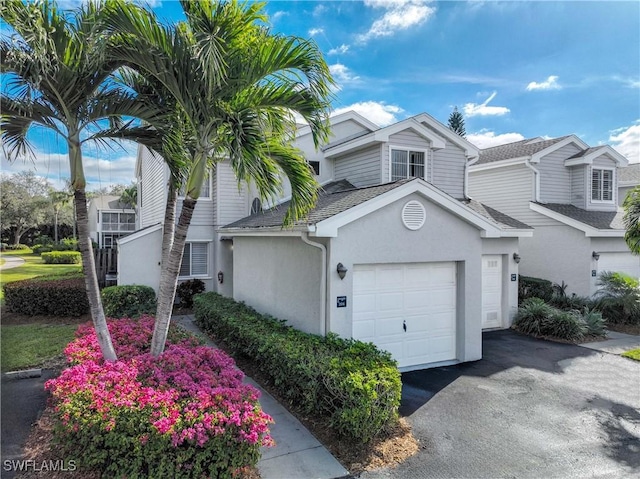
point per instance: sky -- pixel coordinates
(515, 70)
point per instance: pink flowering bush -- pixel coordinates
(184, 414)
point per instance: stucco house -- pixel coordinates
(109, 220)
(394, 252)
(568, 192)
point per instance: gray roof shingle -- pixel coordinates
(602, 220)
(629, 175)
(517, 149)
(495, 216)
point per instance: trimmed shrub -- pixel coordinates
(185, 414)
(61, 257)
(128, 301)
(529, 287)
(67, 244)
(40, 248)
(187, 290)
(15, 247)
(355, 385)
(61, 295)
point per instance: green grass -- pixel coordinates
(32, 267)
(30, 345)
(633, 354)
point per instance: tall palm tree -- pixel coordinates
(59, 199)
(632, 220)
(57, 72)
(236, 87)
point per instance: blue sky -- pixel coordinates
(514, 69)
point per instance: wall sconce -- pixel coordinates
(595, 255)
(516, 258)
(342, 271)
(220, 277)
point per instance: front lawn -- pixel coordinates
(633, 354)
(30, 345)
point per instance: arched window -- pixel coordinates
(256, 206)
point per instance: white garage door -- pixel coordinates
(407, 309)
(619, 262)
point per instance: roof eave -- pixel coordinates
(588, 230)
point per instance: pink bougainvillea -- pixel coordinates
(189, 394)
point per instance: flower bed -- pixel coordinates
(184, 414)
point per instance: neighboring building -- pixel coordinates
(568, 192)
(393, 253)
(110, 219)
(628, 179)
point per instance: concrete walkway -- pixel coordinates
(11, 262)
(616, 343)
(297, 454)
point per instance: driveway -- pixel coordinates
(529, 409)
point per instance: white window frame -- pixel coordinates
(204, 198)
(191, 275)
(613, 188)
(119, 223)
(409, 149)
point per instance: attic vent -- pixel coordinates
(413, 215)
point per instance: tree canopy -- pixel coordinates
(456, 122)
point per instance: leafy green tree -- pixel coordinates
(58, 200)
(456, 122)
(129, 196)
(23, 202)
(631, 207)
(57, 77)
(236, 87)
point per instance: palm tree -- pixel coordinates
(235, 86)
(632, 220)
(58, 78)
(58, 199)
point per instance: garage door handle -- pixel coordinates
(404, 326)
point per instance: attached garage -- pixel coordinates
(407, 309)
(622, 262)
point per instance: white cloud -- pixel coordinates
(315, 31)
(398, 15)
(551, 83)
(342, 74)
(319, 10)
(378, 112)
(279, 14)
(341, 50)
(483, 109)
(487, 139)
(627, 141)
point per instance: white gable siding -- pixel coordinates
(153, 188)
(603, 162)
(579, 186)
(555, 178)
(232, 203)
(346, 129)
(448, 170)
(361, 168)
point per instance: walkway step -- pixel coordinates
(297, 453)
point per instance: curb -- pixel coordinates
(26, 374)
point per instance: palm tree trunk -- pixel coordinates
(169, 226)
(90, 277)
(169, 278)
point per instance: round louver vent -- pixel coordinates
(413, 215)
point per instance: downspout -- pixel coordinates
(323, 281)
(465, 184)
(536, 176)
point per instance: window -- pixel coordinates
(109, 240)
(256, 206)
(407, 164)
(315, 166)
(601, 185)
(118, 221)
(195, 261)
(205, 192)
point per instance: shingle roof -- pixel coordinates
(586, 152)
(517, 149)
(629, 175)
(495, 216)
(602, 220)
(109, 202)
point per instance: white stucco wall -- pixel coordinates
(139, 259)
(506, 247)
(279, 276)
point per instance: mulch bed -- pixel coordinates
(625, 328)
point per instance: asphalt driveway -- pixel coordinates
(529, 409)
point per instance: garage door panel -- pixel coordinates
(420, 295)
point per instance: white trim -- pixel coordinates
(408, 150)
(341, 118)
(470, 150)
(206, 275)
(140, 233)
(589, 231)
(614, 191)
(536, 157)
(620, 160)
(497, 164)
(330, 226)
(267, 231)
(536, 180)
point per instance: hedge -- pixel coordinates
(61, 257)
(128, 300)
(62, 295)
(352, 383)
(529, 287)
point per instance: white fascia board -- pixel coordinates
(270, 231)
(603, 150)
(329, 227)
(498, 164)
(535, 158)
(140, 233)
(342, 117)
(589, 231)
(469, 148)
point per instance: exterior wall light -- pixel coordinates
(516, 258)
(220, 277)
(595, 255)
(342, 271)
